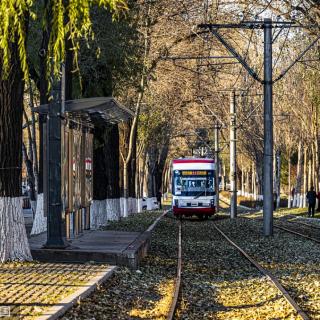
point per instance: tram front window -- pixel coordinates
(193, 183)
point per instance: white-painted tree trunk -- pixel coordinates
(129, 202)
(98, 215)
(40, 221)
(113, 209)
(33, 207)
(149, 204)
(294, 201)
(289, 180)
(103, 211)
(14, 245)
(139, 205)
(125, 211)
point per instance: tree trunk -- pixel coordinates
(242, 182)
(289, 179)
(125, 189)
(160, 166)
(278, 177)
(106, 189)
(297, 195)
(30, 179)
(310, 176)
(40, 221)
(29, 162)
(128, 154)
(143, 171)
(34, 139)
(13, 238)
(305, 181)
(313, 168)
(224, 182)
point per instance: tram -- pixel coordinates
(193, 187)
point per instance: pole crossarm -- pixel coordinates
(255, 25)
(246, 25)
(234, 53)
(285, 71)
(195, 57)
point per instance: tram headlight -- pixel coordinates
(212, 203)
(176, 202)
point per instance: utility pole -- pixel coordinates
(217, 163)
(268, 132)
(56, 232)
(233, 161)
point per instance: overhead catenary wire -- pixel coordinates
(282, 48)
(245, 58)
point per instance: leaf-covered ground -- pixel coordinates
(140, 294)
(29, 288)
(294, 260)
(218, 283)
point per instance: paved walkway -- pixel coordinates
(42, 290)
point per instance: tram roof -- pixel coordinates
(100, 110)
(193, 160)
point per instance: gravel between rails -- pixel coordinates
(293, 260)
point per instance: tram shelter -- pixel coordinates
(70, 183)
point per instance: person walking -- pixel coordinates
(318, 196)
(311, 196)
(159, 197)
(275, 197)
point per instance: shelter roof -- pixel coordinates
(98, 111)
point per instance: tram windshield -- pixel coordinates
(193, 183)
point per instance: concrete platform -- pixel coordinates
(112, 247)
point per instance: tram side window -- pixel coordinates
(210, 184)
(177, 185)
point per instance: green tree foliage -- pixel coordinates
(70, 19)
(111, 63)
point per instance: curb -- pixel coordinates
(139, 247)
(56, 311)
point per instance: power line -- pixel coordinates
(245, 57)
(267, 25)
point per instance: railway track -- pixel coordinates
(298, 233)
(269, 275)
(299, 228)
(178, 277)
(265, 272)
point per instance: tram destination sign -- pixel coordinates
(194, 173)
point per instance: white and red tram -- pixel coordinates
(193, 187)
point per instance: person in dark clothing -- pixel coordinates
(275, 196)
(311, 196)
(159, 197)
(318, 196)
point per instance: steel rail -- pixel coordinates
(178, 277)
(269, 275)
(296, 233)
(289, 230)
(304, 224)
